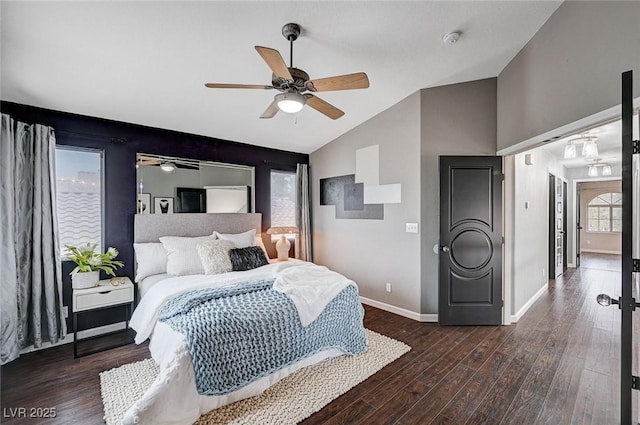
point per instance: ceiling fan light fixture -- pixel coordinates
(290, 102)
(168, 167)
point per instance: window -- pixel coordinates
(79, 196)
(283, 199)
(604, 213)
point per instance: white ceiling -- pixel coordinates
(609, 140)
(147, 62)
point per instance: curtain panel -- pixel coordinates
(30, 267)
(303, 214)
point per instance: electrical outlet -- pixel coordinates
(412, 227)
(388, 287)
(65, 310)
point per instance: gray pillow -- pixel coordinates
(214, 256)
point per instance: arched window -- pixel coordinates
(605, 213)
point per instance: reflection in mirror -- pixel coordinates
(167, 185)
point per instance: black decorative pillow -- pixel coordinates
(247, 258)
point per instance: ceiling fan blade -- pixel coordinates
(324, 107)
(273, 58)
(236, 86)
(271, 111)
(358, 80)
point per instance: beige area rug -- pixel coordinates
(289, 401)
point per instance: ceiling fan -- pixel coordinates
(295, 85)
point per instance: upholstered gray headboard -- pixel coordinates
(150, 227)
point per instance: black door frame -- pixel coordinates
(627, 302)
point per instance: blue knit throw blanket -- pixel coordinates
(237, 335)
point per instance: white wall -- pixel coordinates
(373, 252)
(598, 242)
(530, 238)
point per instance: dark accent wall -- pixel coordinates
(121, 141)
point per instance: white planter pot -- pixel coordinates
(85, 280)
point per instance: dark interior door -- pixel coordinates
(470, 263)
(552, 227)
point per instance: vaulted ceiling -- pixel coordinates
(147, 62)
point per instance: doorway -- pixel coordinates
(557, 226)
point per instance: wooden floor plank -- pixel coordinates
(558, 365)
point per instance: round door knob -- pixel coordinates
(444, 248)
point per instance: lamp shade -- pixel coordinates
(570, 151)
(590, 149)
(606, 170)
(593, 171)
(282, 230)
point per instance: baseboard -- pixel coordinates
(87, 333)
(400, 311)
(528, 304)
(601, 251)
(571, 265)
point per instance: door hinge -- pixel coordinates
(501, 303)
(635, 382)
(502, 176)
(636, 147)
(636, 265)
(503, 240)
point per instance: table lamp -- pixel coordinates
(283, 245)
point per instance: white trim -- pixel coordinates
(508, 220)
(601, 251)
(400, 311)
(571, 265)
(590, 121)
(528, 304)
(87, 333)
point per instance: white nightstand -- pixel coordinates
(105, 295)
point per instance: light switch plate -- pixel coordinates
(412, 227)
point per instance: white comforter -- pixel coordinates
(173, 398)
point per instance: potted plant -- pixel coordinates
(89, 261)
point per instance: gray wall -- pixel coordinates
(570, 69)
(458, 119)
(373, 252)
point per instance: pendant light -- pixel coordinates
(570, 151)
(593, 171)
(590, 147)
(606, 170)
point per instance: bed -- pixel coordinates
(294, 314)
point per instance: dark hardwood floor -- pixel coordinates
(558, 365)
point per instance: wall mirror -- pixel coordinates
(170, 185)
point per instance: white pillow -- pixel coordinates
(260, 243)
(214, 256)
(151, 259)
(182, 254)
(241, 240)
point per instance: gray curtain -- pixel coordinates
(30, 268)
(303, 214)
